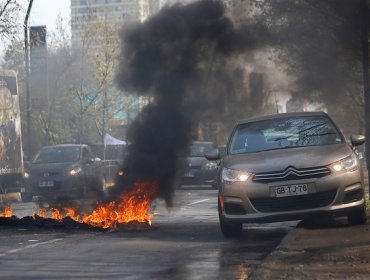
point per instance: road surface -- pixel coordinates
(184, 242)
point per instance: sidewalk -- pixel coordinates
(332, 250)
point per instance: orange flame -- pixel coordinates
(70, 213)
(131, 206)
(56, 214)
(41, 213)
(7, 213)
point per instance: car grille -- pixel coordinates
(48, 174)
(291, 203)
(291, 173)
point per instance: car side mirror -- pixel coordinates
(222, 151)
(88, 160)
(357, 139)
(213, 154)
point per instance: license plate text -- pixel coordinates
(291, 190)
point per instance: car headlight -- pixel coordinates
(75, 171)
(230, 175)
(26, 175)
(211, 165)
(347, 164)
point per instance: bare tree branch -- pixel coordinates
(9, 18)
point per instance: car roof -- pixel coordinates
(281, 116)
(66, 145)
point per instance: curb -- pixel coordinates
(276, 265)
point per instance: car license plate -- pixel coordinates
(291, 190)
(189, 174)
(46, 184)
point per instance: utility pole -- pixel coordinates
(27, 70)
(366, 78)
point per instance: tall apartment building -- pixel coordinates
(117, 12)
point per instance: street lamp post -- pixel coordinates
(27, 70)
(366, 78)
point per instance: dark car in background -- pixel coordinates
(111, 162)
(199, 170)
(289, 167)
(68, 170)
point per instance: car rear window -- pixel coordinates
(283, 133)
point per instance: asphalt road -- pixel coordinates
(184, 242)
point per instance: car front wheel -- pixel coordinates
(102, 187)
(229, 230)
(26, 197)
(358, 217)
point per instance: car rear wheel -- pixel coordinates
(94, 187)
(83, 191)
(358, 217)
(229, 230)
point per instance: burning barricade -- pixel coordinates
(132, 207)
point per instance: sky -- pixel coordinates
(45, 12)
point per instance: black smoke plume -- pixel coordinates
(165, 59)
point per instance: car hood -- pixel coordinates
(37, 168)
(276, 160)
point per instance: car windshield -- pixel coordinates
(199, 149)
(283, 133)
(58, 155)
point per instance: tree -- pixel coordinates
(103, 57)
(99, 49)
(319, 44)
(82, 95)
(9, 18)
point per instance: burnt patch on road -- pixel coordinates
(37, 221)
(67, 223)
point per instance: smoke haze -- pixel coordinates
(167, 60)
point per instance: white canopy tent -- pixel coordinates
(110, 140)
